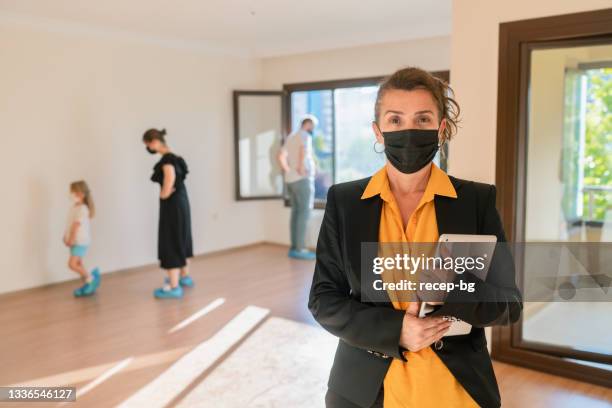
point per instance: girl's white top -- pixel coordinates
(80, 214)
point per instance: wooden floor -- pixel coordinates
(48, 337)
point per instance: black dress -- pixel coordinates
(174, 243)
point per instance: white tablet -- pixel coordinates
(457, 328)
(473, 246)
(467, 238)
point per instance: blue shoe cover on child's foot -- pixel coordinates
(187, 281)
(95, 273)
(174, 293)
(87, 289)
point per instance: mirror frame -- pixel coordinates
(516, 41)
(236, 104)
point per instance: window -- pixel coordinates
(587, 152)
(343, 141)
(319, 104)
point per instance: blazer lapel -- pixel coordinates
(364, 223)
(455, 215)
(362, 218)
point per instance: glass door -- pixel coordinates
(569, 187)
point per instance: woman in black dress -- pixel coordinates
(174, 235)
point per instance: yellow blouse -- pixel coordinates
(423, 380)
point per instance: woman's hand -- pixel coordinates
(168, 184)
(420, 333)
(164, 196)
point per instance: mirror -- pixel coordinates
(258, 131)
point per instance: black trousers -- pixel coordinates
(333, 400)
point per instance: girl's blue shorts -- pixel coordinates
(78, 250)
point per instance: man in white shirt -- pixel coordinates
(297, 161)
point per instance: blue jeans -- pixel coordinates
(301, 198)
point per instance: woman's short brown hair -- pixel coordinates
(411, 78)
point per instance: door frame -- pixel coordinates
(516, 41)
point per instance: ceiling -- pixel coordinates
(258, 27)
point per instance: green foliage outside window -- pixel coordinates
(598, 142)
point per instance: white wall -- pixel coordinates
(383, 59)
(75, 106)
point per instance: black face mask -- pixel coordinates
(410, 150)
(151, 150)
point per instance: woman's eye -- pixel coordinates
(423, 120)
(395, 120)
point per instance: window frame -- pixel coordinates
(332, 85)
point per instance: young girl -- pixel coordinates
(77, 237)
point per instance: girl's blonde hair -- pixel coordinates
(82, 187)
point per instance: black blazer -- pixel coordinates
(369, 332)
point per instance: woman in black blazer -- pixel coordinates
(414, 115)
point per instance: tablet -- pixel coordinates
(482, 246)
(467, 238)
(471, 245)
(457, 328)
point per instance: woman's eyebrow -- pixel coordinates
(423, 111)
(394, 111)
